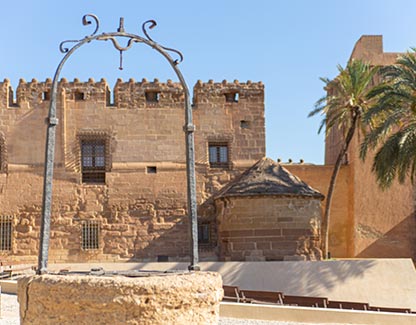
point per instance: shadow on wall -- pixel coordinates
(398, 242)
(296, 278)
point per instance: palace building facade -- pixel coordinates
(119, 191)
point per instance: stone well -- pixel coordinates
(187, 298)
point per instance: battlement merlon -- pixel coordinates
(127, 95)
(228, 92)
(6, 93)
(146, 93)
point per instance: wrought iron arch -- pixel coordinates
(52, 122)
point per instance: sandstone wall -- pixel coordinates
(268, 228)
(383, 221)
(141, 214)
(192, 298)
(341, 235)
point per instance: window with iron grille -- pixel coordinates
(3, 164)
(204, 233)
(6, 223)
(218, 155)
(1, 158)
(90, 234)
(93, 160)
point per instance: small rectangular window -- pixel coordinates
(152, 96)
(93, 160)
(46, 95)
(151, 170)
(79, 95)
(90, 234)
(244, 124)
(6, 223)
(204, 233)
(218, 155)
(163, 258)
(231, 97)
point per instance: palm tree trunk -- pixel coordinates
(343, 151)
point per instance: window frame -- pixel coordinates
(93, 229)
(94, 174)
(202, 228)
(6, 243)
(217, 163)
(3, 155)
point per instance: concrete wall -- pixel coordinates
(375, 281)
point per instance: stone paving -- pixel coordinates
(9, 310)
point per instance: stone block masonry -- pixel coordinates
(268, 228)
(137, 208)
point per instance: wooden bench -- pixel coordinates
(232, 293)
(254, 296)
(305, 301)
(348, 305)
(391, 309)
(8, 270)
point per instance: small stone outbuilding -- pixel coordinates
(269, 214)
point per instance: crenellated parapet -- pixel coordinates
(130, 94)
(228, 92)
(6, 94)
(90, 91)
(38, 94)
(148, 94)
(32, 94)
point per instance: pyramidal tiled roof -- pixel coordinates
(267, 177)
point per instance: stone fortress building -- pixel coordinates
(120, 182)
(119, 189)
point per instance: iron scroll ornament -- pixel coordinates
(52, 122)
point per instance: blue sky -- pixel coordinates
(286, 44)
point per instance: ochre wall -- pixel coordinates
(341, 240)
(142, 216)
(384, 221)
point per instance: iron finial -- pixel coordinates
(120, 29)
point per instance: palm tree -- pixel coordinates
(393, 121)
(343, 107)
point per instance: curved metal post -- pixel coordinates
(52, 122)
